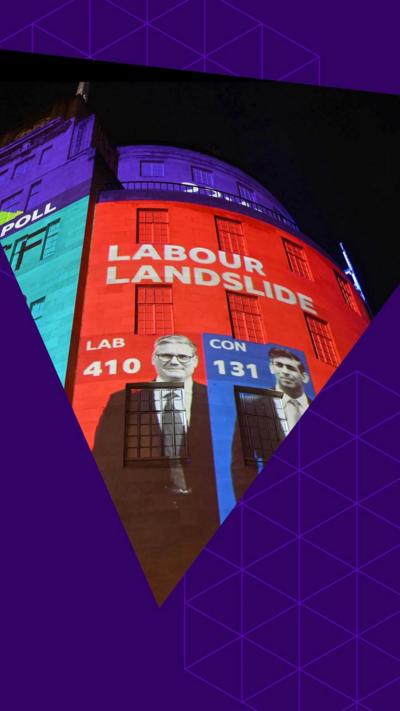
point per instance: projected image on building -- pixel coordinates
(189, 318)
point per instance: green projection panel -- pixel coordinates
(46, 257)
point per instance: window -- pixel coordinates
(45, 155)
(50, 240)
(297, 259)
(154, 310)
(347, 292)
(79, 137)
(246, 192)
(201, 176)
(245, 317)
(34, 191)
(37, 307)
(12, 203)
(155, 422)
(230, 236)
(22, 167)
(32, 248)
(262, 422)
(322, 340)
(151, 168)
(153, 226)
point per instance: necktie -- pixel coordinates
(172, 425)
(293, 413)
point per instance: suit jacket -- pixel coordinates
(244, 472)
(167, 530)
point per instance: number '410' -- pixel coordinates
(130, 365)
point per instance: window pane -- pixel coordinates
(156, 422)
(151, 169)
(153, 226)
(245, 318)
(262, 423)
(297, 259)
(322, 340)
(154, 310)
(230, 236)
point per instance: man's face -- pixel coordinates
(289, 377)
(174, 361)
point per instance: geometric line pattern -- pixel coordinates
(307, 605)
(202, 35)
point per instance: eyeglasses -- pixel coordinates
(181, 357)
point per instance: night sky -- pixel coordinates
(332, 157)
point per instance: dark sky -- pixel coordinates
(332, 157)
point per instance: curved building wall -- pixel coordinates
(182, 167)
(201, 273)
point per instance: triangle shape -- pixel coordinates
(222, 603)
(224, 23)
(318, 504)
(330, 403)
(167, 52)
(376, 470)
(130, 50)
(319, 438)
(222, 669)
(318, 636)
(260, 669)
(184, 23)
(279, 503)
(338, 669)
(19, 42)
(46, 44)
(159, 7)
(338, 603)
(260, 536)
(273, 473)
(110, 24)
(226, 542)
(337, 469)
(138, 9)
(386, 437)
(280, 635)
(206, 571)
(242, 56)
(318, 570)
(260, 604)
(375, 602)
(71, 24)
(318, 696)
(386, 635)
(337, 537)
(375, 536)
(386, 504)
(384, 403)
(385, 700)
(307, 74)
(281, 55)
(279, 570)
(282, 696)
(386, 570)
(376, 669)
(203, 636)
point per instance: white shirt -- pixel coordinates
(187, 399)
(294, 408)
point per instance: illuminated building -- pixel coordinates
(114, 248)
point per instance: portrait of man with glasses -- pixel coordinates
(153, 447)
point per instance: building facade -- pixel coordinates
(118, 249)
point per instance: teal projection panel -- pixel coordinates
(46, 258)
